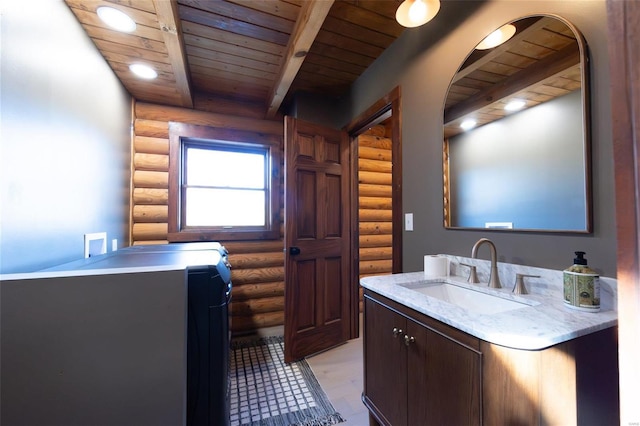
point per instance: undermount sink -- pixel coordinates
(466, 298)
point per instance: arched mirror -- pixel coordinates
(516, 139)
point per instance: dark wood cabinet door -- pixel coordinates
(385, 363)
(443, 380)
(423, 374)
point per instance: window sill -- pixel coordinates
(209, 235)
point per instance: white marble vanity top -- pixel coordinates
(543, 320)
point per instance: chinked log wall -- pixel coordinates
(375, 207)
(258, 266)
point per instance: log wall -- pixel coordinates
(257, 266)
(375, 207)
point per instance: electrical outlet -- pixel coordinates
(408, 222)
(114, 244)
(95, 244)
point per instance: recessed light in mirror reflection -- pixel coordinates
(468, 124)
(515, 105)
(497, 37)
(143, 71)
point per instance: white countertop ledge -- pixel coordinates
(545, 322)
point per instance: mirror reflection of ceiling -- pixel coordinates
(539, 63)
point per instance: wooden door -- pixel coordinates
(385, 363)
(317, 238)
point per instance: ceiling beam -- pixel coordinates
(531, 76)
(310, 20)
(169, 21)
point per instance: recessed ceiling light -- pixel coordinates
(515, 105)
(468, 124)
(143, 71)
(497, 37)
(116, 19)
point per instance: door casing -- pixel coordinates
(391, 101)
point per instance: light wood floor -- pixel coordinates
(339, 372)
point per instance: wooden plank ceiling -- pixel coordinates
(250, 52)
(540, 62)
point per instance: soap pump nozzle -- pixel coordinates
(579, 259)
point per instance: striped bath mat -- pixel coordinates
(266, 391)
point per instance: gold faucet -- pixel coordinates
(494, 278)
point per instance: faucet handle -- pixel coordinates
(473, 276)
(519, 287)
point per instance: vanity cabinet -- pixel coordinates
(571, 383)
(418, 371)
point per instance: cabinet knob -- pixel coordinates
(409, 340)
(396, 331)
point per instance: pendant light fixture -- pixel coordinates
(497, 37)
(413, 13)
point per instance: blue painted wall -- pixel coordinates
(64, 139)
(527, 169)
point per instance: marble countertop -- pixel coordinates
(542, 322)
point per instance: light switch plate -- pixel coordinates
(408, 221)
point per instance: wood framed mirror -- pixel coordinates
(529, 169)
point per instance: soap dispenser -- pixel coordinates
(581, 286)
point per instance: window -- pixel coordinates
(223, 185)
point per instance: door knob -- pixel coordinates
(294, 250)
